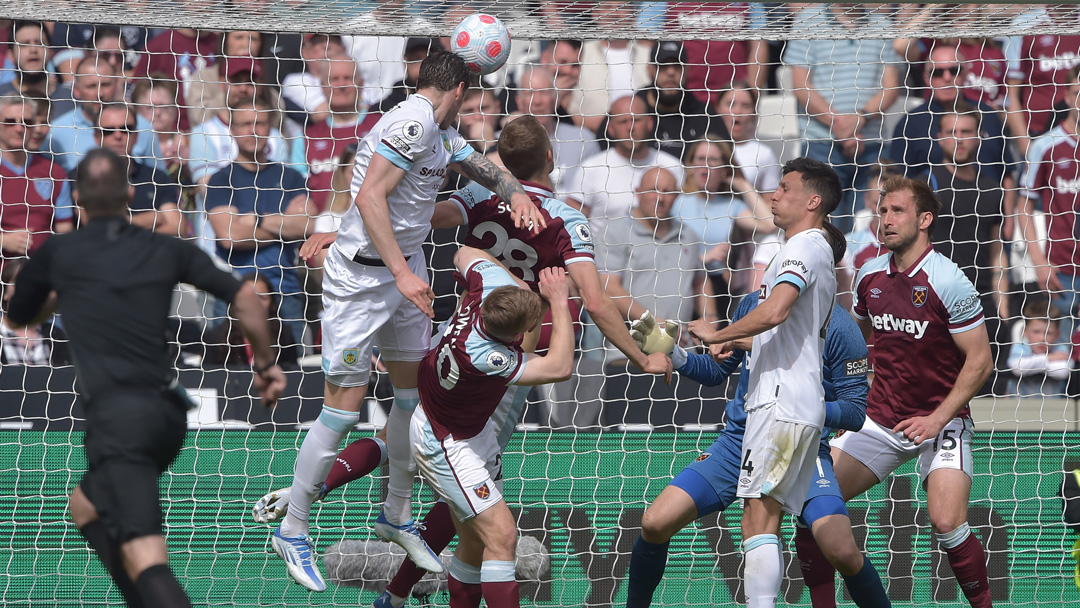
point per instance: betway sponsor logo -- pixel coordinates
(1069, 186)
(888, 322)
(1065, 61)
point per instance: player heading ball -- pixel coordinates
(786, 404)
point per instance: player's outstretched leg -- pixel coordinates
(835, 544)
(359, 459)
(437, 529)
(291, 541)
(395, 524)
(672, 511)
(947, 495)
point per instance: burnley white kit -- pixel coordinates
(361, 302)
(786, 404)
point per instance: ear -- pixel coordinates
(815, 203)
(925, 219)
(130, 194)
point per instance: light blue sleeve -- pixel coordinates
(147, 148)
(491, 275)
(795, 264)
(957, 294)
(461, 148)
(64, 207)
(393, 156)
(575, 223)
(297, 155)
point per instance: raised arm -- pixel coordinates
(770, 313)
(604, 311)
(558, 364)
(481, 170)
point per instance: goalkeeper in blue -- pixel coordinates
(709, 483)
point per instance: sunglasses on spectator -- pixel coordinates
(12, 122)
(939, 72)
(107, 131)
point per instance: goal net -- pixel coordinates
(670, 124)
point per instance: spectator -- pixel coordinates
(340, 198)
(35, 200)
(38, 130)
(30, 56)
(1039, 361)
(211, 145)
(737, 108)
(478, 121)
(348, 122)
(154, 205)
(379, 57)
(78, 36)
(260, 212)
(107, 46)
(302, 92)
(725, 209)
(1051, 183)
(155, 101)
(1038, 76)
(43, 344)
(226, 345)
(180, 54)
(562, 59)
(651, 261)
(681, 118)
(570, 144)
(206, 91)
(603, 186)
(914, 143)
(416, 50)
(843, 86)
(72, 134)
(712, 65)
(863, 243)
(984, 70)
(611, 68)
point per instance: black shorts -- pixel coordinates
(132, 437)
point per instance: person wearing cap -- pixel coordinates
(180, 53)
(416, 50)
(302, 92)
(680, 117)
(240, 59)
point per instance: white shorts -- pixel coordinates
(362, 306)
(779, 459)
(467, 474)
(883, 451)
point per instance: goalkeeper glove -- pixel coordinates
(653, 337)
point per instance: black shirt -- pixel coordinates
(675, 131)
(970, 218)
(153, 188)
(115, 284)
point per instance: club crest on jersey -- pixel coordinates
(412, 131)
(498, 361)
(446, 142)
(350, 356)
(483, 491)
(44, 188)
(703, 457)
(918, 295)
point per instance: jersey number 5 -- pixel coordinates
(513, 253)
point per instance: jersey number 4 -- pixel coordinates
(746, 464)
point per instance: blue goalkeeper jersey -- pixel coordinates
(845, 366)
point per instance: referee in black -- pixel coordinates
(112, 284)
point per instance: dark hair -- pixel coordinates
(104, 32)
(962, 108)
(738, 85)
(1035, 308)
(101, 181)
(250, 102)
(522, 146)
(925, 199)
(570, 42)
(115, 105)
(19, 24)
(819, 178)
(443, 71)
(836, 240)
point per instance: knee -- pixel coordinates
(846, 558)
(81, 509)
(655, 527)
(944, 523)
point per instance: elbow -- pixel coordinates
(778, 316)
(565, 371)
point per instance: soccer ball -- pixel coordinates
(483, 42)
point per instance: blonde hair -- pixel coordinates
(727, 159)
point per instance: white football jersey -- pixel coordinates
(409, 137)
(787, 358)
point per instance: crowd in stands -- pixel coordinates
(244, 141)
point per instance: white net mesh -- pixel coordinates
(727, 93)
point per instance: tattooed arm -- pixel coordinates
(481, 170)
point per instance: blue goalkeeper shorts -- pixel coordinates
(712, 480)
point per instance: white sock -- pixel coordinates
(398, 505)
(763, 575)
(313, 463)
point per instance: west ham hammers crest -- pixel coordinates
(918, 296)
